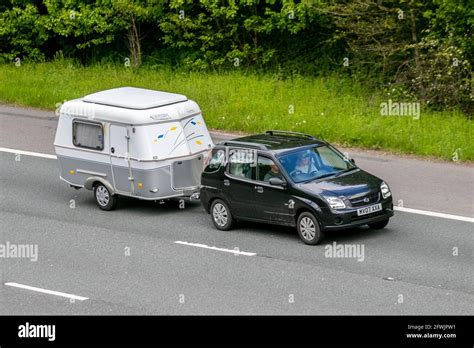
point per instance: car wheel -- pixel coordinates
(221, 216)
(379, 225)
(104, 198)
(308, 228)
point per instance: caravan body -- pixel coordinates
(134, 142)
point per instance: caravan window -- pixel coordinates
(88, 134)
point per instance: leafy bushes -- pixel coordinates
(423, 47)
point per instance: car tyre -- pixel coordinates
(379, 224)
(104, 198)
(221, 215)
(308, 228)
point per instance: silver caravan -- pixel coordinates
(132, 142)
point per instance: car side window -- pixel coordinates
(267, 169)
(215, 162)
(242, 164)
(329, 158)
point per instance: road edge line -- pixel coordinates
(402, 209)
(27, 153)
(435, 214)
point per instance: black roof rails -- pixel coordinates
(274, 132)
(243, 143)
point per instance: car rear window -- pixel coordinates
(216, 161)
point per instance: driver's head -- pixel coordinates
(303, 159)
(274, 168)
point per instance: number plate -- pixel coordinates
(369, 209)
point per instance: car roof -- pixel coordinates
(274, 141)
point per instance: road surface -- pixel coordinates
(151, 258)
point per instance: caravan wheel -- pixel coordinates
(104, 198)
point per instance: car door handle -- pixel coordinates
(259, 189)
(226, 182)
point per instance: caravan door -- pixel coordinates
(119, 141)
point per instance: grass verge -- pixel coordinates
(334, 109)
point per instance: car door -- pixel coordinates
(120, 159)
(273, 203)
(239, 183)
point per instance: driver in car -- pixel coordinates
(304, 164)
(274, 172)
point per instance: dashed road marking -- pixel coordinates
(233, 251)
(46, 291)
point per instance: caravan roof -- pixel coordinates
(134, 98)
(131, 106)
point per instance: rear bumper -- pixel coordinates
(349, 219)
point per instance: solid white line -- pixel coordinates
(403, 209)
(28, 153)
(49, 292)
(235, 251)
(432, 213)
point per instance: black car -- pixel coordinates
(291, 179)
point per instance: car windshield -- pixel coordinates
(315, 163)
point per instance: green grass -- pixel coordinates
(334, 109)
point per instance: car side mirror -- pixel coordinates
(353, 161)
(277, 182)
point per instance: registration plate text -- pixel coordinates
(369, 209)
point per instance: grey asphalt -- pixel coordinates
(439, 186)
(82, 250)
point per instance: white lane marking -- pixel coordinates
(49, 292)
(403, 209)
(432, 213)
(233, 251)
(28, 153)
